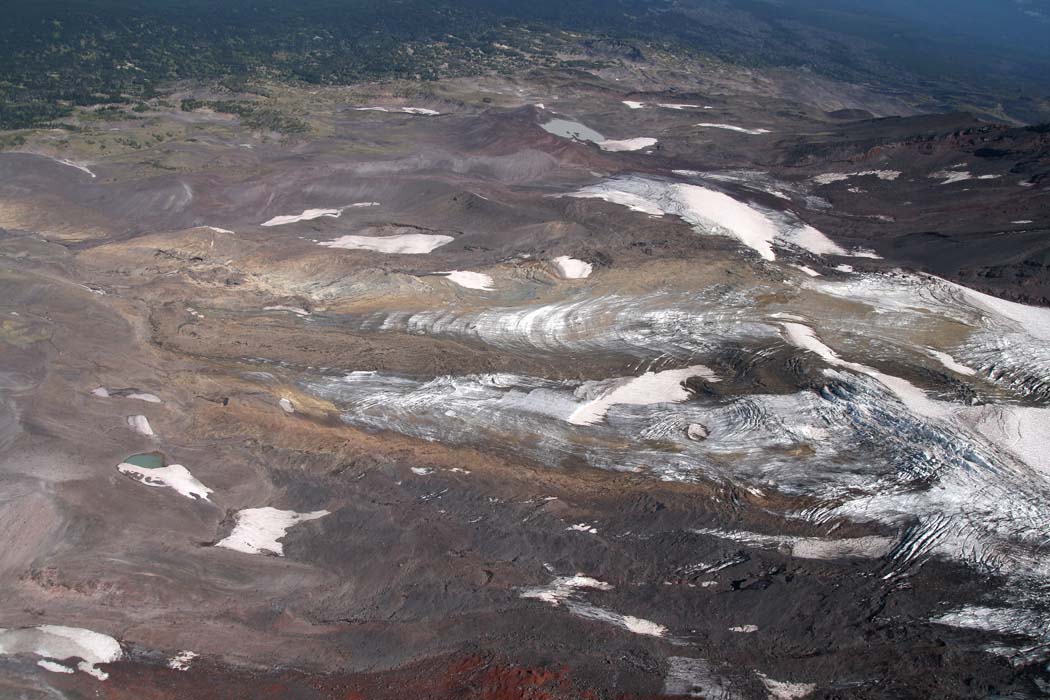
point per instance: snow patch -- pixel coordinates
(712, 212)
(646, 390)
(563, 592)
(949, 362)
(311, 214)
(951, 176)
(1024, 431)
(635, 144)
(286, 405)
(747, 225)
(73, 164)
(571, 268)
(401, 244)
(560, 589)
(258, 530)
(828, 178)
(298, 311)
(910, 395)
(140, 425)
(405, 244)
(882, 174)
(730, 127)
(57, 643)
(182, 660)
(812, 240)
(173, 476)
(404, 110)
(470, 280)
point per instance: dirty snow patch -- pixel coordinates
(744, 629)
(867, 547)
(785, 690)
(630, 200)
(286, 406)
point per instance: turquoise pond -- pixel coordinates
(146, 460)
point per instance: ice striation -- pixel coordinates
(877, 431)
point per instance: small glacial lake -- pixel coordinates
(572, 130)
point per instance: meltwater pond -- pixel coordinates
(571, 130)
(146, 460)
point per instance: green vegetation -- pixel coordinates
(252, 115)
(118, 55)
(11, 141)
(56, 55)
